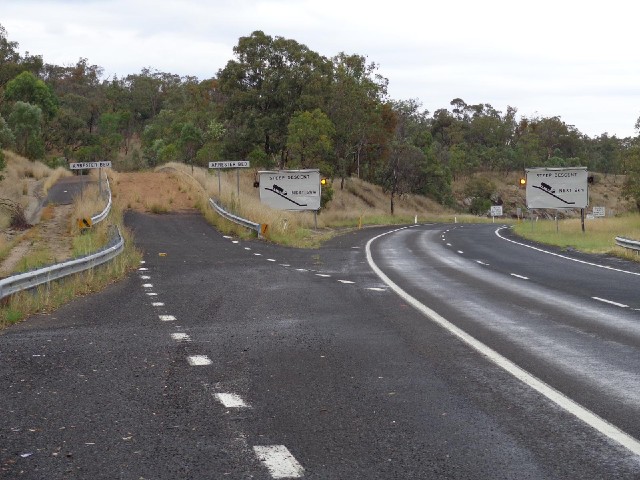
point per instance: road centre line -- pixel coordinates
(448, 244)
(497, 232)
(258, 254)
(231, 400)
(167, 318)
(180, 337)
(481, 262)
(157, 304)
(271, 260)
(198, 360)
(143, 269)
(610, 302)
(346, 282)
(587, 416)
(152, 294)
(460, 252)
(147, 285)
(279, 461)
(323, 275)
(145, 277)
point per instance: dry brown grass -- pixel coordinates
(153, 192)
(358, 203)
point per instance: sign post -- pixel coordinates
(558, 188)
(87, 165)
(237, 164)
(290, 189)
(496, 211)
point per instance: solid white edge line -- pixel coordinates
(279, 461)
(587, 416)
(611, 302)
(497, 232)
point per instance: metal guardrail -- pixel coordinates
(24, 281)
(234, 218)
(101, 216)
(630, 244)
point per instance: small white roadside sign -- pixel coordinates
(230, 164)
(599, 211)
(496, 210)
(290, 189)
(83, 165)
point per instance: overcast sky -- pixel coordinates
(575, 59)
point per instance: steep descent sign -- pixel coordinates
(557, 187)
(290, 189)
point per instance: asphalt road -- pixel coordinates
(240, 359)
(67, 188)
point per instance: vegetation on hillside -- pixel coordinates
(280, 104)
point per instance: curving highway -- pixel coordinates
(430, 352)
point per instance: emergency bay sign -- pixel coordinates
(557, 187)
(83, 165)
(290, 189)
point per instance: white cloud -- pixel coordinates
(575, 59)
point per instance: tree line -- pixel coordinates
(279, 104)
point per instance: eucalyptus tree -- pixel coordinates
(269, 80)
(356, 106)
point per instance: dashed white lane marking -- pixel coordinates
(231, 400)
(377, 289)
(301, 270)
(346, 281)
(258, 254)
(611, 302)
(481, 262)
(448, 244)
(279, 461)
(142, 262)
(145, 277)
(157, 304)
(285, 265)
(271, 260)
(235, 241)
(181, 337)
(147, 285)
(460, 252)
(519, 276)
(227, 237)
(151, 294)
(198, 360)
(584, 414)
(167, 318)
(247, 248)
(143, 269)
(323, 275)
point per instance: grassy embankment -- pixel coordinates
(599, 235)
(49, 297)
(358, 204)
